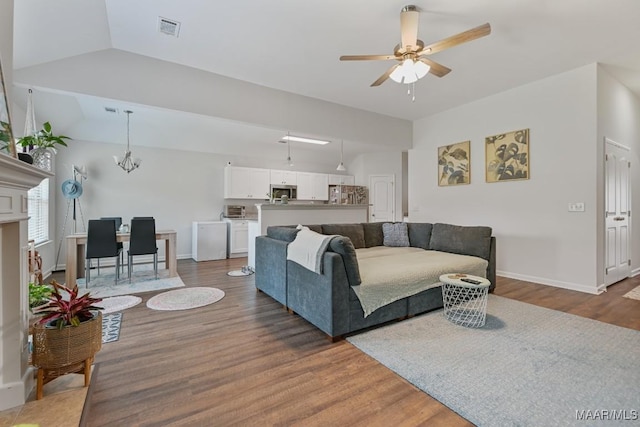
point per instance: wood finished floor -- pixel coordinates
(246, 361)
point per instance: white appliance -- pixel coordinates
(209, 240)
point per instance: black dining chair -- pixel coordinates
(118, 221)
(143, 241)
(101, 243)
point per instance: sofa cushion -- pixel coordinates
(354, 232)
(285, 233)
(395, 234)
(343, 246)
(419, 234)
(373, 234)
(474, 241)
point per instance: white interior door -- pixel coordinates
(382, 198)
(617, 212)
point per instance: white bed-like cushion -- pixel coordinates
(392, 273)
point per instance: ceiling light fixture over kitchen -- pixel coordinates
(293, 138)
(289, 161)
(127, 163)
(341, 165)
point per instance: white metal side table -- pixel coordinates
(465, 299)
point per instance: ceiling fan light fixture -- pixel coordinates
(421, 69)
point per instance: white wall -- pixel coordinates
(385, 163)
(174, 186)
(537, 238)
(619, 120)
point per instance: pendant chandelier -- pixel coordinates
(127, 163)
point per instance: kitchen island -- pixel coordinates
(301, 213)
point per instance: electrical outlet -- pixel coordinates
(576, 207)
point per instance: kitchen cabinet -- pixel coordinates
(342, 179)
(238, 237)
(313, 186)
(246, 183)
(280, 177)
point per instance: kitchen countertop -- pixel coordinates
(294, 206)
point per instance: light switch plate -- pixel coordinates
(576, 207)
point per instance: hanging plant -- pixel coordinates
(44, 138)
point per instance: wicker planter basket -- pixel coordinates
(62, 351)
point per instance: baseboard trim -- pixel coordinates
(555, 283)
(635, 272)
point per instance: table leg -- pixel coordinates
(171, 256)
(71, 267)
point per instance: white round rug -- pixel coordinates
(184, 299)
(237, 273)
(119, 303)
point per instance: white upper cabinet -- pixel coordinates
(342, 179)
(281, 177)
(313, 186)
(246, 183)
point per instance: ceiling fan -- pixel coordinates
(411, 54)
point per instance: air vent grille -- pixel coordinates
(168, 26)
(110, 110)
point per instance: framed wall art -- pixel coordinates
(454, 164)
(507, 156)
(7, 144)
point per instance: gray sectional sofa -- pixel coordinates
(328, 301)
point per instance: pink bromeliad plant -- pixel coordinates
(64, 307)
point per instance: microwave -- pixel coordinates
(291, 191)
(233, 211)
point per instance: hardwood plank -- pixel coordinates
(246, 361)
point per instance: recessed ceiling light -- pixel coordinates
(307, 140)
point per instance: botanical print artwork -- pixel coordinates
(507, 156)
(454, 163)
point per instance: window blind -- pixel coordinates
(38, 205)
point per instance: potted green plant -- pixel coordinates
(38, 295)
(42, 145)
(67, 337)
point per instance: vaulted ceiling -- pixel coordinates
(294, 46)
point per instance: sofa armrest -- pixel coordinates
(271, 267)
(491, 267)
(322, 299)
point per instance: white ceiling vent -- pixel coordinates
(168, 27)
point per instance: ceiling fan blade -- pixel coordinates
(409, 18)
(466, 36)
(385, 76)
(366, 57)
(436, 69)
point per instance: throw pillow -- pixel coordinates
(395, 234)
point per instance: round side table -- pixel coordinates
(465, 303)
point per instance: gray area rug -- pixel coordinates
(142, 280)
(529, 366)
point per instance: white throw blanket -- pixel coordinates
(390, 273)
(308, 249)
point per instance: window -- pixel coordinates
(38, 200)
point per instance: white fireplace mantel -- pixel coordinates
(16, 378)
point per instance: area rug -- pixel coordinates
(119, 303)
(142, 280)
(529, 366)
(184, 299)
(111, 327)
(633, 293)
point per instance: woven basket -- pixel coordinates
(55, 348)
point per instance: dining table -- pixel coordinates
(76, 244)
